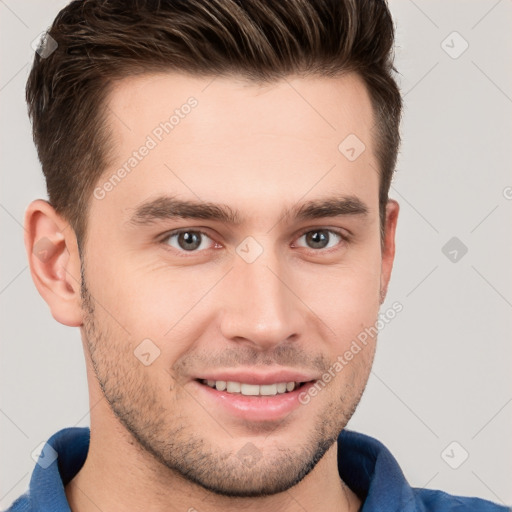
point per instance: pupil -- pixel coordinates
(318, 239)
(190, 240)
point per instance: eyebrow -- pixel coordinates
(169, 208)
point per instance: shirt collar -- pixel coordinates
(46, 490)
(370, 470)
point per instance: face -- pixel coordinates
(239, 250)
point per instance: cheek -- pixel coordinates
(167, 306)
(346, 297)
(162, 303)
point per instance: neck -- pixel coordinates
(119, 475)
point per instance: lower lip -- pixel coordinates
(255, 408)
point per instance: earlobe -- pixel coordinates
(388, 248)
(54, 261)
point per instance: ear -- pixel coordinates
(388, 247)
(54, 261)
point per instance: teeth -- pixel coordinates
(220, 385)
(233, 387)
(268, 389)
(281, 387)
(252, 389)
(249, 389)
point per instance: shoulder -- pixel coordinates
(372, 472)
(60, 459)
(22, 504)
(439, 501)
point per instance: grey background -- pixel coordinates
(443, 367)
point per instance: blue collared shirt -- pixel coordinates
(365, 465)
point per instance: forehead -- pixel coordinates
(292, 107)
(239, 143)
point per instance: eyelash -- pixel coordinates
(182, 253)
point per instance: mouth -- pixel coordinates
(253, 401)
(246, 389)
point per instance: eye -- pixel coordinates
(322, 238)
(187, 240)
(190, 240)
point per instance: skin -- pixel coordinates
(156, 442)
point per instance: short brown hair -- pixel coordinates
(100, 41)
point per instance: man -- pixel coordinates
(219, 228)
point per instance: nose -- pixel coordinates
(260, 307)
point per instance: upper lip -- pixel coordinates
(258, 377)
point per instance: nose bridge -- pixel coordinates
(260, 307)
